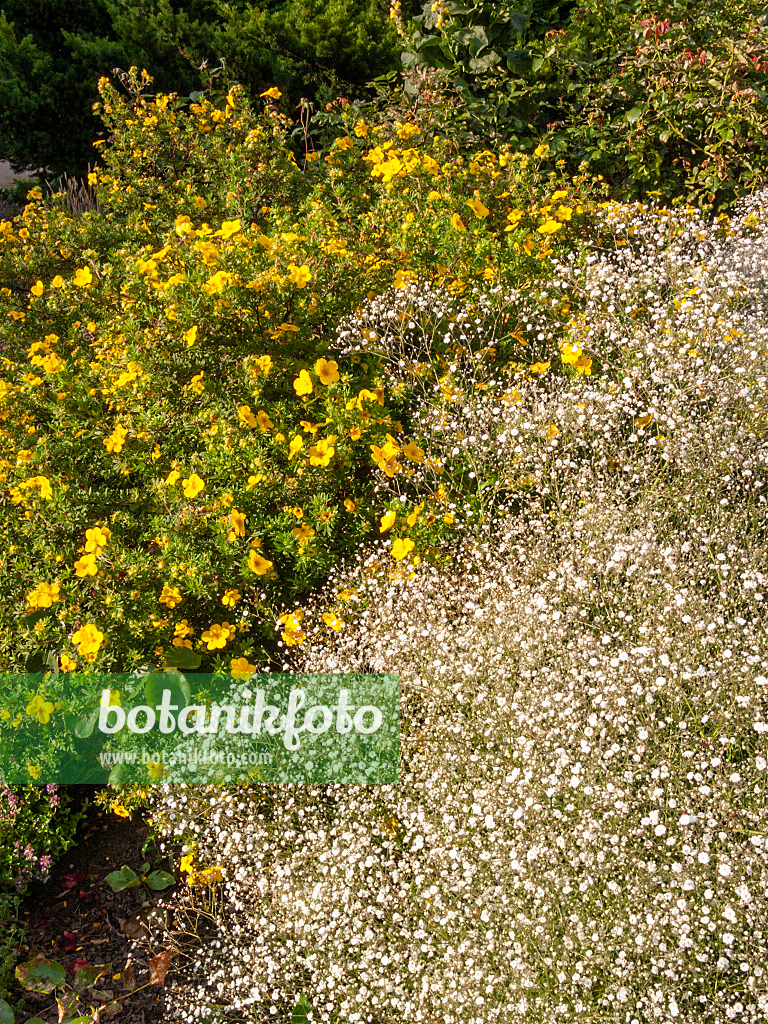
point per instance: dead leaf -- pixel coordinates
(158, 966)
(129, 979)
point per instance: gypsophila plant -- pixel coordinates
(579, 832)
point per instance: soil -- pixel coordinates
(75, 916)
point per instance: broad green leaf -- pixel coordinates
(160, 880)
(40, 975)
(633, 115)
(182, 657)
(6, 1013)
(125, 878)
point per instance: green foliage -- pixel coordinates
(676, 105)
(52, 54)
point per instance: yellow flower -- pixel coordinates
(86, 566)
(155, 771)
(57, 282)
(89, 639)
(230, 598)
(457, 223)
(300, 276)
(97, 539)
(172, 477)
(349, 505)
(261, 566)
(83, 277)
(169, 596)
(271, 94)
(241, 668)
(361, 129)
(411, 520)
(34, 771)
(528, 244)
(217, 636)
(183, 628)
(303, 384)
(297, 443)
(228, 229)
(34, 193)
(303, 534)
(236, 524)
(37, 289)
(43, 596)
(549, 227)
(388, 521)
(539, 367)
(403, 278)
(116, 440)
(292, 631)
(570, 353)
(217, 282)
(413, 452)
(40, 708)
(320, 454)
(541, 150)
(187, 864)
(214, 874)
(401, 547)
(192, 485)
(120, 811)
(478, 208)
(67, 664)
(263, 420)
(245, 416)
(330, 620)
(327, 370)
(190, 336)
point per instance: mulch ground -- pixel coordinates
(77, 920)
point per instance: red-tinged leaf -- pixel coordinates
(78, 965)
(158, 966)
(70, 881)
(72, 940)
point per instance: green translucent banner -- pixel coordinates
(168, 727)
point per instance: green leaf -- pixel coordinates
(86, 976)
(120, 773)
(40, 975)
(41, 661)
(160, 880)
(39, 1020)
(6, 1013)
(182, 657)
(633, 115)
(157, 682)
(125, 878)
(300, 1010)
(85, 724)
(36, 616)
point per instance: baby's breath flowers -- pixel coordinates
(579, 830)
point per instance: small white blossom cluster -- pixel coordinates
(581, 824)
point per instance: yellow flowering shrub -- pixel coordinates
(169, 391)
